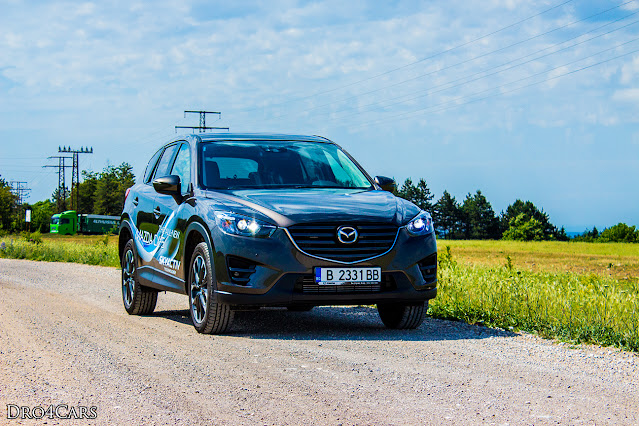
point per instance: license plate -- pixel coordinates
(338, 276)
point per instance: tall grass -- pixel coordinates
(569, 306)
(99, 252)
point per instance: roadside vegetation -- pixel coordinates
(577, 292)
(90, 250)
(580, 308)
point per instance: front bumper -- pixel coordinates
(272, 271)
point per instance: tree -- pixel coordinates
(7, 206)
(447, 217)
(479, 220)
(419, 195)
(529, 210)
(562, 235)
(111, 187)
(41, 213)
(86, 194)
(620, 233)
(524, 228)
(61, 203)
(103, 193)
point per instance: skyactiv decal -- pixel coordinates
(150, 245)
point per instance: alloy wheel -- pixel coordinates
(128, 278)
(199, 289)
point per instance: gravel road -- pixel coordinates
(66, 339)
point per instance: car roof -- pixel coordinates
(211, 137)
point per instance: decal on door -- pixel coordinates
(157, 246)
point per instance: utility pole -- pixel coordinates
(61, 198)
(20, 190)
(202, 127)
(75, 175)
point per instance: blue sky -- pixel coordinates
(545, 110)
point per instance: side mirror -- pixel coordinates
(169, 185)
(386, 183)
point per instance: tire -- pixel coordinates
(137, 299)
(300, 308)
(402, 316)
(207, 314)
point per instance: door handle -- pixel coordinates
(157, 212)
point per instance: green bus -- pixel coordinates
(69, 223)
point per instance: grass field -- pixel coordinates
(578, 292)
(615, 260)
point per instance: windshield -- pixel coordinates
(267, 164)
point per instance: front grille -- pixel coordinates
(240, 270)
(320, 239)
(306, 284)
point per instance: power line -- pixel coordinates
(373, 122)
(428, 92)
(420, 60)
(61, 195)
(20, 190)
(463, 62)
(75, 175)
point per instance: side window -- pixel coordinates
(164, 166)
(149, 167)
(182, 166)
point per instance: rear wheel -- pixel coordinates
(402, 316)
(138, 300)
(208, 315)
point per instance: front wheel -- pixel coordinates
(138, 300)
(207, 314)
(402, 316)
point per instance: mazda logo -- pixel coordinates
(346, 234)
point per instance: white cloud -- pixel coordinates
(630, 71)
(626, 95)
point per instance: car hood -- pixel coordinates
(286, 207)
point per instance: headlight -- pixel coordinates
(236, 224)
(422, 224)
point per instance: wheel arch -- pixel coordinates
(196, 233)
(125, 235)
